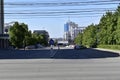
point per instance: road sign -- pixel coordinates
(51, 42)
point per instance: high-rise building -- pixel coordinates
(71, 30)
(66, 31)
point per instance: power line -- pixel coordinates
(58, 4)
(32, 10)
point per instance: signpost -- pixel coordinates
(51, 43)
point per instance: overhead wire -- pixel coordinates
(41, 10)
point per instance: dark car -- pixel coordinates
(77, 47)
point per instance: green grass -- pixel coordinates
(114, 47)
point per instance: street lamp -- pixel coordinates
(1, 16)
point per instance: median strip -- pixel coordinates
(115, 51)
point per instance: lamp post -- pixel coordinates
(1, 16)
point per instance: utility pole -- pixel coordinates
(1, 16)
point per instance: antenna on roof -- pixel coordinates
(69, 19)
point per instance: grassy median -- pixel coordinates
(114, 47)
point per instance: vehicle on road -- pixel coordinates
(77, 47)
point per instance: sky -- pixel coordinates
(51, 15)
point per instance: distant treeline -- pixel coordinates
(107, 32)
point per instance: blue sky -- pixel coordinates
(51, 15)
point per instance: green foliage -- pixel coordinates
(21, 37)
(41, 39)
(78, 39)
(89, 36)
(17, 34)
(29, 41)
(107, 32)
(115, 47)
(107, 28)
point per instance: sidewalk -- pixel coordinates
(115, 51)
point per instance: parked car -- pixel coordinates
(38, 46)
(30, 47)
(77, 47)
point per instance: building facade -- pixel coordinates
(7, 26)
(71, 30)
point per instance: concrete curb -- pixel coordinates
(115, 51)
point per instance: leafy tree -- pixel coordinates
(29, 40)
(107, 32)
(44, 40)
(17, 34)
(107, 27)
(117, 32)
(89, 36)
(41, 39)
(21, 37)
(78, 39)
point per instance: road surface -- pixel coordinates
(60, 69)
(88, 64)
(56, 54)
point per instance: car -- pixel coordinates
(77, 47)
(30, 47)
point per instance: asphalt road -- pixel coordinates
(60, 69)
(56, 54)
(65, 64)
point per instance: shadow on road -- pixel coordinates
(60, 54)
(84, 54)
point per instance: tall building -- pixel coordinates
(71, 30)
(66, 31)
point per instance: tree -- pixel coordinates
(78, 39)
(40, 39)
(107, 28)
(107, 32)
(117, 31)
(17, 34)
(89, 36)
(21, 37)
(29, 39)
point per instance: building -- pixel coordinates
(44, 32)
(66, 31)
(71, 30)
(7, 26)
(4, 40)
